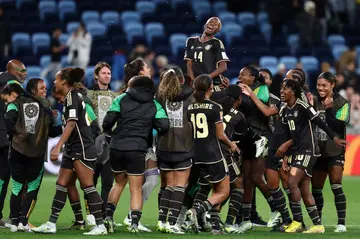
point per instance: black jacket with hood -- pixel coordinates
(136, 113)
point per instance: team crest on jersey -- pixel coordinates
(31, 110)
(104, 103)
(31, 116)
(296, 113)
(208, 47)
(173, 106)
(175, 114)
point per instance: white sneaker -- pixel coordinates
(127, 221)
(143, 228)
(261, 147)
(245, 226)
(8, 223)
(231, 228)
(90, 220)
(340, 228)
(13, 228)
(46, 228)
(174, 229)
(161, 226)
(96, 231)
(275, 218)
(22, 228)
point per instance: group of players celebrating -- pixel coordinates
(211, 136)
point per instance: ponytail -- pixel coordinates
(202, 84)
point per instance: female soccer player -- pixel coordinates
(29, 122)
(79, 157)
(335, 110)
(206, 118)
(174, 149)
(301, 118)
(135, 112)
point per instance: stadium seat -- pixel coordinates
(230, 31)
(268, 61)
(262, 17)
(18, 40)
(40, 40)
(64, 61)
(220, 7)
(45, 61)
(288, 61)
(46, 7)
(309, 63)
(145, 7)
(201, 7)
(177, 42)
(89, 74)
(63, 38)
(72, 26)
(338, 50)
(66, 7)
(336, 40)
(130, 16)
(266, 30)
(293, 40)
(19, 3)
(227, 17)
(110, 17)
(247, 18)
(133, 29)
(96, 29)
(90, 17)
(33, 71)
(153, 29)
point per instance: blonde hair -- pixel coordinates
(169, 86)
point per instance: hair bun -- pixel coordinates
(76, 74)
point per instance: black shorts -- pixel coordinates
(26, 169)
(169, 161)
(130, 162)
(303, 161)
(4, 163)
(273, 162)
(68, 163)
(213, 173)
(324, 164)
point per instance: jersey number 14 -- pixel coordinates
(198, 56)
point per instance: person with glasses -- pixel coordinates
(15, 72)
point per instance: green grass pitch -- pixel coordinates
(149, 217)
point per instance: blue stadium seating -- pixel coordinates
(177, 42)
(46, 7)
(227, 17)
(40, 40)
(89, 75)
(20, 40)
(336, 40)
(133, 29)
(247, 18)
(96, 29)
(231, 31)
(129, 17)
(338, 50)
(72, 26)
(288, 61)
(64, 61)
(262, 17)
(90, 17)
(66, 7)
(268, 61)
(145, 7)
(45, 61)
(220, 7)
(33, 71)
(309, 63)
(154, 29)
(110, 17)
(63, 38)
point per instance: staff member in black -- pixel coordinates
(206, 54)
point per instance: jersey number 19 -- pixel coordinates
(200, 126)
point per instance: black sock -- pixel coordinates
(135, 217)
(95, 204)
(110, 209)
(296, 210)
(270, 201)
(246, 211)
(76, 208)
(280, 203)
(340, 202)
(201, 195)
(314, 215)
(159, 196)
(165, 203)
(204, 206)
(239, 217)
(29, 203)
(175, 204)
(215, 219)
(58, 202)
(235, 203)
(319, 199)
(15, 208)
(288, 194)
(254, 212)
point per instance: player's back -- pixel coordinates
(204, 116)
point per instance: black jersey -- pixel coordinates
(204, 116)
(80, 143)
(273, 101)
(302, 130)
(234, 124)
(205, 56)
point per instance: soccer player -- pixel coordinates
(174, 149)
(301, 119)
(335, 111)
(254, 164)
(135, 112)
(79, 157)
(206, 118)
(101, 97)
(206, 54)
(29, 123)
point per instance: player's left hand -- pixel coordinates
(328, 102)
(340, 142)
(281, 150)
(245, 89)
(225, 82)
(55, 154)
